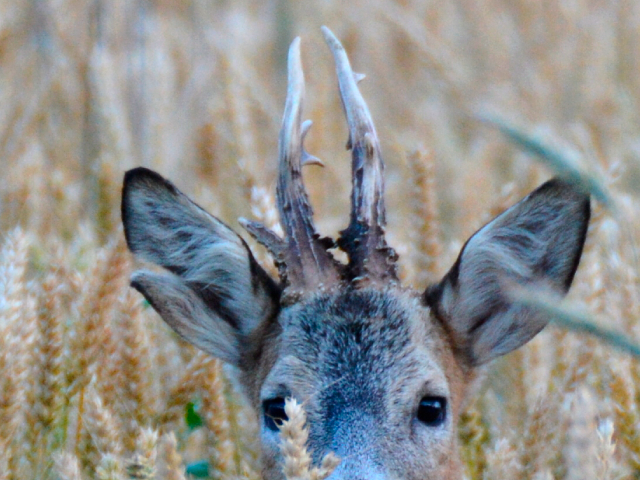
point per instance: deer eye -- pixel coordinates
(432, 411)
(274, 413)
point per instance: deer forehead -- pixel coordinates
(361, 343)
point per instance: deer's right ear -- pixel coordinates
(215, 293)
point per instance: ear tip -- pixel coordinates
(573, 195)
(573, 198)
(141, 175)
(147, 183)
(567, 188)
(582, 238)
(132, 179)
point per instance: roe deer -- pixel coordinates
(384, 370)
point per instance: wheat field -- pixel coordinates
(93, 385)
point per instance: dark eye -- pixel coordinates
(432, 411)
(274, 413)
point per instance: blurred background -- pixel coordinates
(195, 89)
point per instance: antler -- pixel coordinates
(302, 257)
(363, 240)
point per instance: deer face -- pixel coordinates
(378, 380)
(383, 370)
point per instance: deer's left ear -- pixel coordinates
(535, 244)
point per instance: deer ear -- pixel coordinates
(214, 294)
(535, 244)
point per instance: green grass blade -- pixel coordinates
(581, 322)
(559, 162)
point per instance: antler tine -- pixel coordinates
(363, 240)
(308, 263)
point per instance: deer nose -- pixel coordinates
(356, 469)
(355, 435)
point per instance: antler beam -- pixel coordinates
(363, 240)
(302, 257)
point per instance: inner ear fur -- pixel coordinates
(214, 293)
(536, 244)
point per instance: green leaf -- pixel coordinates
(573, 319)
(192, 417)
(561, 162)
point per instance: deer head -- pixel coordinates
(383, 370)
